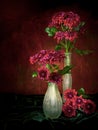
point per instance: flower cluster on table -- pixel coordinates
(75, 103)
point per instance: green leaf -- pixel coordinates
(47, 30)
(64, 28)
(82, 24)
(38, 117)
(83, 52)
(50, 34)
(81, 91)
(79, 26)
(58, 47)
(65, 70)
(51, 31)
(49, 67)
(34, 74)
(35, 115)
(55, 66)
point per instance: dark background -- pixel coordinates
(22, 34)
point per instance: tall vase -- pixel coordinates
(67, 78)
(52, 103)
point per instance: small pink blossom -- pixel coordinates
(59, 36)
(71, 36)
(47, 57)
(68, 19)
(69, 110)
(89, 106)
(55, 77)
(79, 101)
(43, 73)
(69, 94)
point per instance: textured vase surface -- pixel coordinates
(67, 78)
(52, 102)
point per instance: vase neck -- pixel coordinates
(51, 84)
(67, 60)
(52, 87)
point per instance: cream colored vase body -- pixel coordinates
(52, 103)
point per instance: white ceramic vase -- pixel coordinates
(52, 102)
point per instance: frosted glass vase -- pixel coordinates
(52, 102)
(67, 78)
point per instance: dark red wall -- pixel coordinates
(22, 34)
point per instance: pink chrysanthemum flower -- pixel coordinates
(69, 94)
(89, 106)
(59, 36)
(67, 19)
(43, 73)
(71, 36)
(72, 20)
(78, 101)
(69, 109)
(37, 57)
(67, 35)
(33, 59)
(47, 56)
(57, 19)
(55, 56)
(52, 56)
(55, 77)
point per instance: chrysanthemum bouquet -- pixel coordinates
(77, 102)
(49, 68)
(66, 27)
